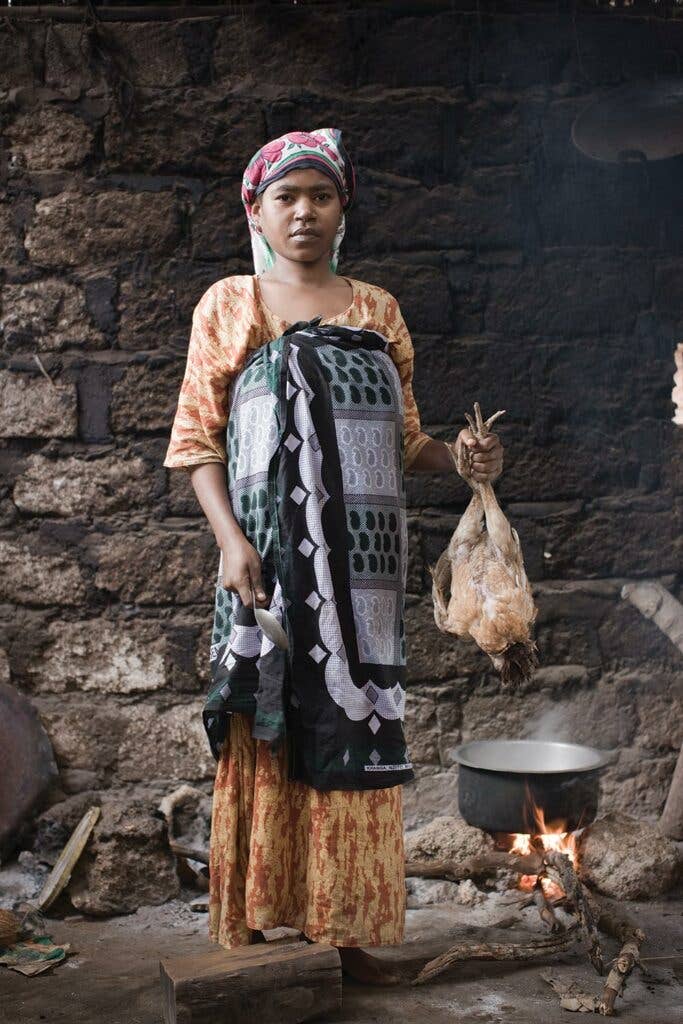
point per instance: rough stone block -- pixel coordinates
(84, 736)
(71, 229)
(448, 838)
(9, 243)
(281, 46)
(444, 217)
(433, 792)
(572, 296)
(165, 744)
(100, 655)
(33, 407)
(16, 53)
(48, 138)
(145, 398)
(156, 568)
(216, 232)
(638, 779)
(197, 133)
(434, 49)
(629, 859)
(155, 306)
(628, 638)
(127, 863)
(28, 576)
(47, 315)
(421, 729)
(72, 486)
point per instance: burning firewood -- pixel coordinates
(480, 587)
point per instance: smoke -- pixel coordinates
(554, 724)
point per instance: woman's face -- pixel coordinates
(304, 198)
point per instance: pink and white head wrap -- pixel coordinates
(322, 149)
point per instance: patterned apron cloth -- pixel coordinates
(316, 482)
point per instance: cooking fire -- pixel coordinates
(547, 836)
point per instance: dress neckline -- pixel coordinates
(279, 319)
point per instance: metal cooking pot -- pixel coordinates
(501, 780)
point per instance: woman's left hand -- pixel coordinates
(487, 455)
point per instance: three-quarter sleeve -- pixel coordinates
(402, 353)
(198, 430)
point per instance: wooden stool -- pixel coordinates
(280, 984)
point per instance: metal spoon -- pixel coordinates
(269, 624)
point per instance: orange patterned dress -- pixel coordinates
(282, 853)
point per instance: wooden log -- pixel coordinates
(281, 984)
(532, 949)
(671, 821)
(559, 868)
(475, 867)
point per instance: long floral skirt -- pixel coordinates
(282, 853)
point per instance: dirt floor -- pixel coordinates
(112, 974)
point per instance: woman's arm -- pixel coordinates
(197, 441)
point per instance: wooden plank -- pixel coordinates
(281, 984)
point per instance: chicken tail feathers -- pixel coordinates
(519, 661)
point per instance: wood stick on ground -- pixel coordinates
(621, 967)
(559, 867)
(193, 852)
(614, 922)
(61, 872)
(545, 909)
(533, 949)
(475, 867)
(671, 821)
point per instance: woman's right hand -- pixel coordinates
(241, 568)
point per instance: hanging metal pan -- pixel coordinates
(636, 122)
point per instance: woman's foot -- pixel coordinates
(367, 969)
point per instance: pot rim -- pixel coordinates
(589, 758)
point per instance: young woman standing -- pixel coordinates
(296, 420)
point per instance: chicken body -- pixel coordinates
(480, 587)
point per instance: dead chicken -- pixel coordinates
(480, 588)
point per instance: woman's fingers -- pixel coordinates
(259, 592)
(243, 588)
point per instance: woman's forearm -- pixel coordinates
(210, 485)
(433, 457)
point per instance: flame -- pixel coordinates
(551, 836)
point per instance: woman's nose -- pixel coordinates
(304, 210)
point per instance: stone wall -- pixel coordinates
(531, 279)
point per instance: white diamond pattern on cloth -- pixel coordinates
(292, 442)
(374, 723)
(298, 494)
(305, 547)
(317, 653)
(313, 600)
(377, 636)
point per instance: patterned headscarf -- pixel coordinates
(321, 149)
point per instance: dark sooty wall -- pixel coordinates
(531, 278)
